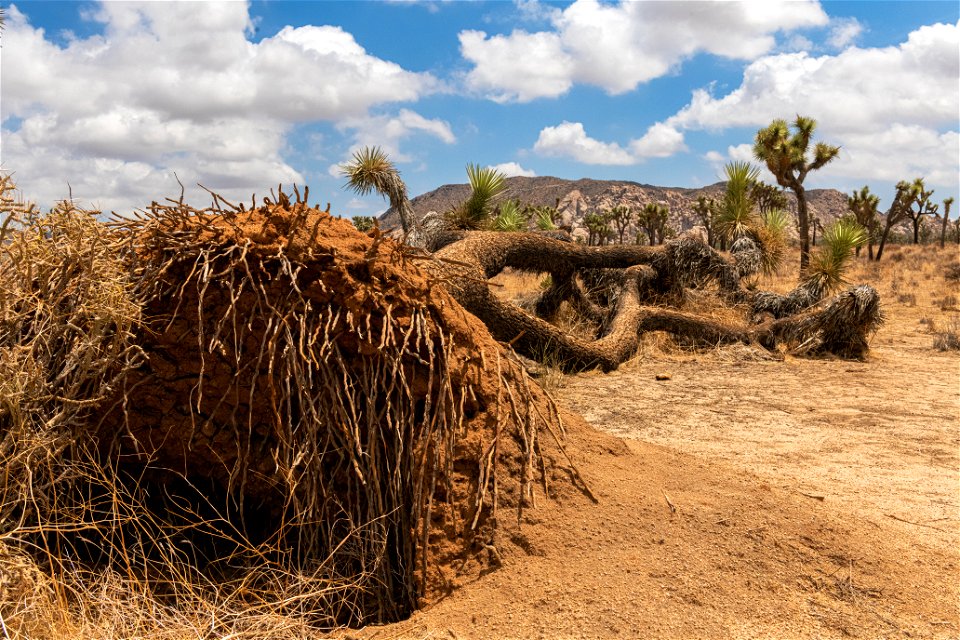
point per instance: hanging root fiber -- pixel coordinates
(279, 416)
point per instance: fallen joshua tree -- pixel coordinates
(644, 286)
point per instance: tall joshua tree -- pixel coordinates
(785, 154)
(946, 221)
(863, 205)
(925, 207)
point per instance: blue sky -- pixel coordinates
(114, 98)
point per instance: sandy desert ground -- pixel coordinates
(748, 495)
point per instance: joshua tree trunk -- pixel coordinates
(804, 223)
(946, 221)
(883, 238)
(916, 230)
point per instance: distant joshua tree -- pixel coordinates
(946, 221)
(767, 197)
(906, 192)
(598, 226)
(621, 216)
(653, 218)
(925, 207)
(863, 205)
(707, 210)
(815, 224)
(785, 155)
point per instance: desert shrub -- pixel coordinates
(363, 223)
(948, 337)
(948, 301)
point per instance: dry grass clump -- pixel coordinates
(946, 337)
(243, 422)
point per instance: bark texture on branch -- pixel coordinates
(643, 276)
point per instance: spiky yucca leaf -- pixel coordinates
(544, 219)
(777, 221)
(486, 183)
(510, 218)
(371, 170)
(840, 240)
(737, 216)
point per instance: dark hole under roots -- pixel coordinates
(163, 528)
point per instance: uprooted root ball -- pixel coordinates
(309, 419)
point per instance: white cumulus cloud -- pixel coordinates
(522, 66)
(618, 46)
(570, 140)
(660, 141)
(893, 110)
(177, 86)
(511, 169)
(843, 32)
(387, 132)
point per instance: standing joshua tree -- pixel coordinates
(707, 211)
(906, 192)
(598, 226)
(925, 207)
(767, 197)
(371, 170)
(621, 216)
(946, 221)
(863, 205)
(785, 155)
(653, 218)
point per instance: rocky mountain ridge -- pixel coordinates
(576, 198)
